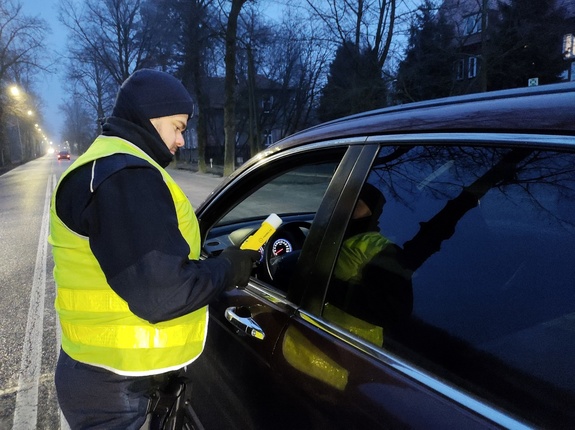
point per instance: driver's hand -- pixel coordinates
(242, 262)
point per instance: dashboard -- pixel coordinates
(278, 255)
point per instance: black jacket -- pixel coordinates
(130, 220)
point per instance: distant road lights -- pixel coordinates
(20, 110)
(15, 91)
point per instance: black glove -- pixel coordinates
(242, 261)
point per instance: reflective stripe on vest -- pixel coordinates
(98, 327)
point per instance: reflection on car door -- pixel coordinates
(475, 231)
(345, 376)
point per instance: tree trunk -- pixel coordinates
(230, 88)
(202, 129)
(254, 123)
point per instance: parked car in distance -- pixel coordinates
(422, 277)
(63, 155)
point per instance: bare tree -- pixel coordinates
(195, 42)
(280, 66)
(253, 38)
(90, 84)
(295, 59)
(364, 23)
(76, 133)
(122, 35)
(230, 86)
(109, 40)
(21, 53)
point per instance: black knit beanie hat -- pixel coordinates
(150, 94)
(375, 200)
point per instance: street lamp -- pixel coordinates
(20, 108)
(15, 93)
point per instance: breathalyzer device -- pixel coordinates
(268, 227)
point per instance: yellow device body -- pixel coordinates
(261, 236)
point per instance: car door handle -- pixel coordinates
(241, 319)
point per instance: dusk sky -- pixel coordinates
(49, 85)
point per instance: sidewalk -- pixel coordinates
(184, 165)
(7, 167)
(197, 186)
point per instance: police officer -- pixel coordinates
(132, 294)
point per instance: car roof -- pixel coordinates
(545, 109)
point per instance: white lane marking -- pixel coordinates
(26, 409)
(45, 378)
(58, 329)
(63, 423)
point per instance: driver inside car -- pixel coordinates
(371, 287)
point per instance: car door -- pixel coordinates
(235, 385)
(478, 229)
(272, 360)
(345, 375)
(479, 241)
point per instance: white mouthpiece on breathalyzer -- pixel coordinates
(268, 227)
(274, 220)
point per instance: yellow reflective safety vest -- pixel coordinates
(356, 252)
(98, 327)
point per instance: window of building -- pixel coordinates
(267, 104)
(459, 70)
(268, 139)
(471, 67)
(472, 24)
(569, 46)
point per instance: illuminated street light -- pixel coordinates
(21, 111)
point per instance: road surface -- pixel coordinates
(29, 336)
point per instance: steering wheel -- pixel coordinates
(282, 250)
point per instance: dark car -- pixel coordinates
(63, 155)
(448, 303)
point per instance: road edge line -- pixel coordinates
(26, 408)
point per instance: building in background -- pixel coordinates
(471, 19)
